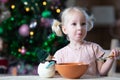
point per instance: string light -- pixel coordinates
(44, 3)
(31, 33)
(19, 50)
(58, 10)
(13, 6)
(27, 9)
(26, 3)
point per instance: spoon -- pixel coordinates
(102, 59)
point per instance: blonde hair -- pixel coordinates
(56, 26)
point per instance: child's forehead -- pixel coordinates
(73, 11)
(75, 15)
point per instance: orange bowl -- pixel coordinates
(71, 70)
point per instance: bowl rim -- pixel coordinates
(72, 63)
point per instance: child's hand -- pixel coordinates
(115, 53)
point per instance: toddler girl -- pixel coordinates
(75, 23)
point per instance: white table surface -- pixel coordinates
(36, 77)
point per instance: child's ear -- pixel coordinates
(64, 30)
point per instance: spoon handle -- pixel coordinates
(102, 59)
(110, 56)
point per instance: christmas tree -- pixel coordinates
(26, 27)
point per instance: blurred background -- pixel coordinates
(25, 31)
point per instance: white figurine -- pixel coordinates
(46, 69)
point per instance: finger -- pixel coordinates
(114, 53)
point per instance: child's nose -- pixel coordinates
(79, 26)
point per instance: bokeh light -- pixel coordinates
(13, 6)
(44, 3)
(58, 10)
(27, 9)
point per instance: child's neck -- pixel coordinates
(76, 46)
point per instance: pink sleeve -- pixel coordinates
(98, 50)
